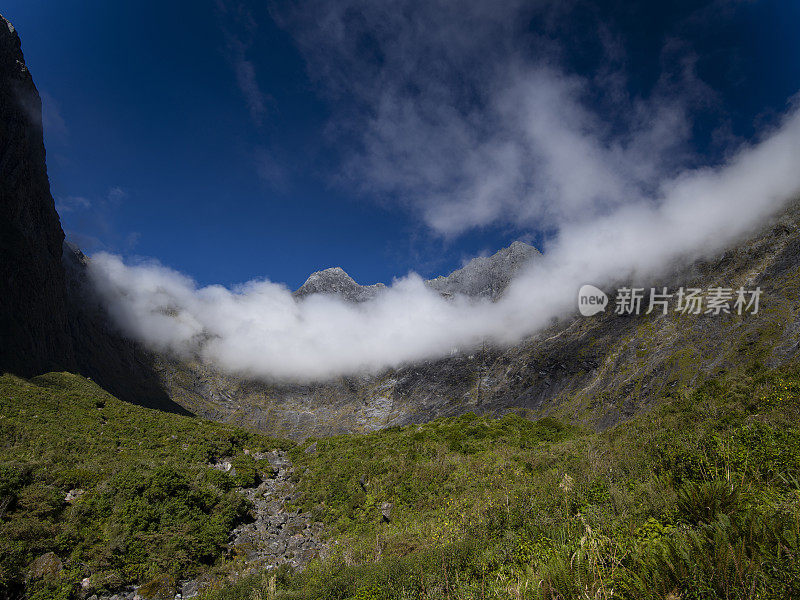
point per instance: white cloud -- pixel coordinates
(452, 118)
(238, 26)
(72, 203)
(457, 111)
(259, 330)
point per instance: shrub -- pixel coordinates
(704, 501)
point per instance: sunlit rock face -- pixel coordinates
(336, 282)
(486, 276)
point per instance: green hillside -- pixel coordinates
(699, 497)
(151, 504)
(696, 498)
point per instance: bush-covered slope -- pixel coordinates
(695, 498)
(144, 501)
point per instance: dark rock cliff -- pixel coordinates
(119, 365)
(49, 319)
(34, 330)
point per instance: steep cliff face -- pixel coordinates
(49, 318)
(119, 365)
(34, 331)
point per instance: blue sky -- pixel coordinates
(235, 140)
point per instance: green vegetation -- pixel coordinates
(150, 507)
(697, 498)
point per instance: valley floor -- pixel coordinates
(698, 497)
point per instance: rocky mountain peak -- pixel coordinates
(486, 276)
(482, 277)
(335, 281)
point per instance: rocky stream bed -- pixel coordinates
(277, 534)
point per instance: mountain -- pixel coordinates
(598, 371)
(484, 276)
(34, 330)
(362, 403)
(641, 456)
(335, 281)
(49, 317)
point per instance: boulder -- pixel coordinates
(160, 588)
(47, 566)
(386, 511)
(73, 495)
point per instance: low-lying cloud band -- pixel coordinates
(259, 330)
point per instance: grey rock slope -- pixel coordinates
(279, 534)
(597, 370)
(484, 276)
(336, 282)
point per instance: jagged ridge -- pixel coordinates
(484, 276)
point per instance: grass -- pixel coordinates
(696, 499)
(151, 507)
